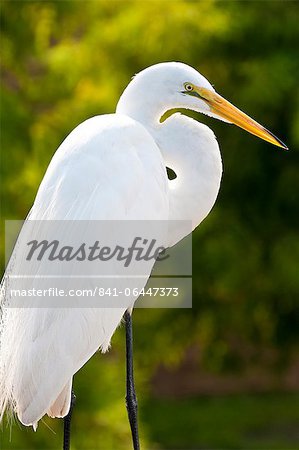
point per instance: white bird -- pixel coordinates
(113, 167)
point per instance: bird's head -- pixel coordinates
(171, 85)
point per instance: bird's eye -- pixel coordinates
(188, 87)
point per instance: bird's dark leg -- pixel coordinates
(67, 425)
(131, 400)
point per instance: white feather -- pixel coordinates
(42, 348)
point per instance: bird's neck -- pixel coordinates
(190, 149)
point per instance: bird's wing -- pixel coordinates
(110, 169)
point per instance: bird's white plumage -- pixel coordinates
(86, 178)
(110, 167)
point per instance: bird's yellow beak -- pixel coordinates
(229, 112)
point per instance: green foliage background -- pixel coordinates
(65, 61)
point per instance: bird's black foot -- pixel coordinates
(131, 400)
(67, 425)
(131, 404)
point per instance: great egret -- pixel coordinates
(42, 348)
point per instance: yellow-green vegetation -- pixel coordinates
(65, 61)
